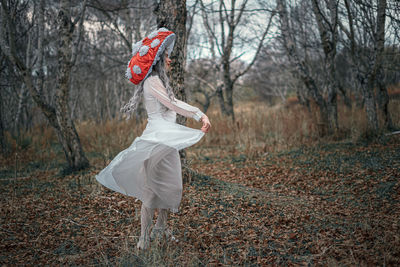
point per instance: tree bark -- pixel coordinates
(382, 95)
(2, 138)
(370, 100)
(171, 14)
(383, 102)
(229, 99)
(21, 103)
(329, 47)
(221, 99)
(67, 135)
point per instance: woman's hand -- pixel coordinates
(206, 123)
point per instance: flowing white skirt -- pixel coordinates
(150, 168)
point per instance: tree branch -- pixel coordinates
(260, 45)
(240, 13)
(79, 34)
(121, 34)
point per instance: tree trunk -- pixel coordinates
(328, 36)
(2, 139)
(206, 104)
(332, 93)
(383, 100)
(228, 84)
(21, 102)
(172, 15)
(346, 98)
(370, 108)
(370, 101)
(324, 123)
(383, 103)
(383, 97)
(229, 100)
(67, 133)
(301, 69)
(221, 99)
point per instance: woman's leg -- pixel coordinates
(161, 224)
(162, 219)
(161, 227)
(146, 220)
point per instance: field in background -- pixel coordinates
(265, 190)
(259, 129)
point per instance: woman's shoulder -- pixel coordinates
(152, 79)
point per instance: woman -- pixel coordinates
(150, 169)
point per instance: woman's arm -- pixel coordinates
(158, 90)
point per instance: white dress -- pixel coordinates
(150, 168)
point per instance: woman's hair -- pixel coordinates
(158, 69)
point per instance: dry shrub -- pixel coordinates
(32, 145)
(260, 128)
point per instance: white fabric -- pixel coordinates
(150, 168)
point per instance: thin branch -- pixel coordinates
(238, 18)
(214, 90)
(121, 34)
(260, 45)
(221, 21)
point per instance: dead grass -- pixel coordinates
(259, 128)
(271, 192)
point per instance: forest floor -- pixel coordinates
(331, 204)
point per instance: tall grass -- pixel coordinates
(258, 129)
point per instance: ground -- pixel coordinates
(331, 204)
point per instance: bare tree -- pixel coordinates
(300, 68)
(366, 38)
(222, 41)
(328, 32)
(58, 115)
(114, 26)
(201, 81)
(272, 79)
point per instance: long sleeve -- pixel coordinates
(158, 90)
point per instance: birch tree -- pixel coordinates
(366, 37)
(328, 32)
(57, 115)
